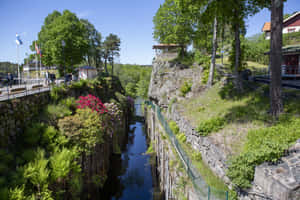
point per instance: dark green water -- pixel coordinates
(131, 177)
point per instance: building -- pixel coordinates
(290, 25)
(291, 61)
(87, 72)
(167, 51)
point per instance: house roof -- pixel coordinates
(86, 67)
(164, 46)
(266, 27)
(291, 17)
(289, 49)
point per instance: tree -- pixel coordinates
(276, 57)
(65, 27)
(111, 48)
(172, 24)
(93, 55)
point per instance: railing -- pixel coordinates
(25, 87)
(290, 69)
(203, 190)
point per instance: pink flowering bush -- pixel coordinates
(114, 117)
(92, 102)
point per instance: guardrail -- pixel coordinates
(203, 190)
(26, 87)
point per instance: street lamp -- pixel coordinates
(63, 44)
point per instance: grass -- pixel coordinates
(256, 68)
(209, 177)
(248, 111)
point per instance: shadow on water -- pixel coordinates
(130, 176)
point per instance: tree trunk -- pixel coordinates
(112, 66)
(276, 57)
(213, 56)
(105, 65)
(237, 62)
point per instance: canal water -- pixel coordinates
(131, 177)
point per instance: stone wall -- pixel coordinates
(17, 113)
(168, 173)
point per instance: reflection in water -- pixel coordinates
(130, 176)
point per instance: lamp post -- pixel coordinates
(63, 44)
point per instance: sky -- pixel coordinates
(131, 20)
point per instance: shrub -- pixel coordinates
(174, 127)
(185, 88)
(70, 103)
(92, 102)
(181, 137)
(55, 112)
(211, 125)
(84, 129)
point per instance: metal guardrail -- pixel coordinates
(26, 87)
(203, 190)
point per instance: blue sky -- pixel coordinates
(131, 20)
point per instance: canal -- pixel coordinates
(130, 176)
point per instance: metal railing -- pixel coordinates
(203, 190)
(25, 87)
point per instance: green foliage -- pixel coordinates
(291, 38)
(242, 64)
(36, 171)
(204, 61)
(56, 92)
(174, 127)
(185, 88)
(134, 78)
(171, 24)
(57, 111)
(130, 89)
(99, 180)
(62, 162)
(70, 103)
(266, 144)
(181, 137)
(33, 133)
(255, 47)
(17, 193)
(65, 27)
(185, 58)
(150, 149)
(84, 129)
(142, 89)
(210, 125)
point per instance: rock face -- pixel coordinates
(212, 155)
(167, 79)
(168, 169)
(281, 181)
(278, 182)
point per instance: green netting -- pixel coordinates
(202, 190)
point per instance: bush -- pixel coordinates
(181, 137)
(211, 125)
(84, 129)
(70, 103)
(185, 88)
(174, 127)
(91, 102)
(55, 112)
